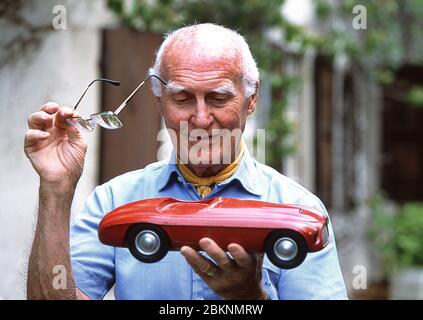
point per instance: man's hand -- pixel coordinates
(55, 148)
(237, 278)
(57, 152)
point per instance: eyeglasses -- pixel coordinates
(105, 119)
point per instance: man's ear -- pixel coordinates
(253, 101)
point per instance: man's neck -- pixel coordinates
(202, 171)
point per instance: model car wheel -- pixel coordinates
(286, 249)
(147, 243)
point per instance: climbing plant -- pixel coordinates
(14, 44)
(393, 36)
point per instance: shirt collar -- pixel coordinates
(247, 174)
(169, 171)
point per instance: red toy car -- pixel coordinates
(151, 227)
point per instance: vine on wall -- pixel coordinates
(393, 37)
(26, 36)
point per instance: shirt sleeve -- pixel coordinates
(319, 276)
(92, 262)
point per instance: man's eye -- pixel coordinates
(181, 97)
(219, 99)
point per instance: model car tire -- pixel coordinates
(286, 249)
(147, 243)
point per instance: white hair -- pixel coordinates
(235, 44)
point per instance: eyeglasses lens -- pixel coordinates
(107, 120)
(82, 124)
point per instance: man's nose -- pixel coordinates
(202, 118)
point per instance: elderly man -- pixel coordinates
(210, 84)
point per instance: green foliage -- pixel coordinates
(398, 235)
(393, 32)
(158, 16)
(415, 96)
(277, 130)
(249, 17)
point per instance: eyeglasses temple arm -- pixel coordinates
(123, 104)
(112, 82)
(76, 105)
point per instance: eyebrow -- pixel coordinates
(229, 89)
(173, 87)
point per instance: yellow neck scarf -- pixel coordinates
(205, 185)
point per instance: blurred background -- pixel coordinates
(341, 102)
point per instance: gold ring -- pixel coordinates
(211, 272)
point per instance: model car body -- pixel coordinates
(151, 227)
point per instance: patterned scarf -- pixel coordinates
(205, 185)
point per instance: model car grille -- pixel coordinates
(325, 234)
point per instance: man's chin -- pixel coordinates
(204, 158)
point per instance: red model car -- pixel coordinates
(151, 227)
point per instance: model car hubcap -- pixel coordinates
(285, 249)
(147, 242)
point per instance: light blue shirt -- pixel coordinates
(97, 267)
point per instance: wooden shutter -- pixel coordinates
(127, 56)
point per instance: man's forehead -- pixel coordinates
(201, 61)
(205, 71)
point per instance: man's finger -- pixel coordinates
(61, 116)
(33, 136)
(198, 262)
(201, 274)
(40, 120)
(216, 253)
(241, 257)
(50, 107)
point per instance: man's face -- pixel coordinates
(204, 105)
